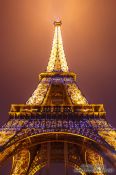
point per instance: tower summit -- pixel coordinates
(57, 61)
(57, 124)
(57, 23)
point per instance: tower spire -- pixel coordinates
(57, 60)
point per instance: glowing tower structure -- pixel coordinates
(57, 124)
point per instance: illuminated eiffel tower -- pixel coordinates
(57, 124)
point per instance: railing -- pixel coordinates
(57, 109)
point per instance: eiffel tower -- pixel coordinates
(58, 125)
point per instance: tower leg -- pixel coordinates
(21, 163)
(94, 162)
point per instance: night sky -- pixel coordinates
(89, 36)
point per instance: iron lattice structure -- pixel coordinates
(57, 124)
